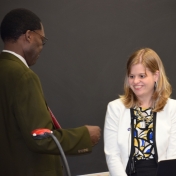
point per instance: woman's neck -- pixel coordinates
(145, 103)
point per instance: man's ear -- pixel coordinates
(28, 36)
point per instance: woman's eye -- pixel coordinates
(131, 76)
(142, 76)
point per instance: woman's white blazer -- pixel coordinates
(117, 135)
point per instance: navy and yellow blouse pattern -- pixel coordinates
(143, 133)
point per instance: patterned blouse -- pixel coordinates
(143, 133)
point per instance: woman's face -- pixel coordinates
(141, 80)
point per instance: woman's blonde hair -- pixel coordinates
(162, 90)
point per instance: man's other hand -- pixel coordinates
(95, 133)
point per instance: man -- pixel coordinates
(23, 107)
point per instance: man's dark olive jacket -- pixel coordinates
(23, 109)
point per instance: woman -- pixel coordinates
(140, 126)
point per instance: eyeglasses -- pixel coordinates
(44, 39)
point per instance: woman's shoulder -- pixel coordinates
(117, 103)
(171, 103)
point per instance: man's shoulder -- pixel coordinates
(10, 60)
(11, 64)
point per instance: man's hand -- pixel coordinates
(95, 133)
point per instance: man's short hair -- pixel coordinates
(17, 22)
